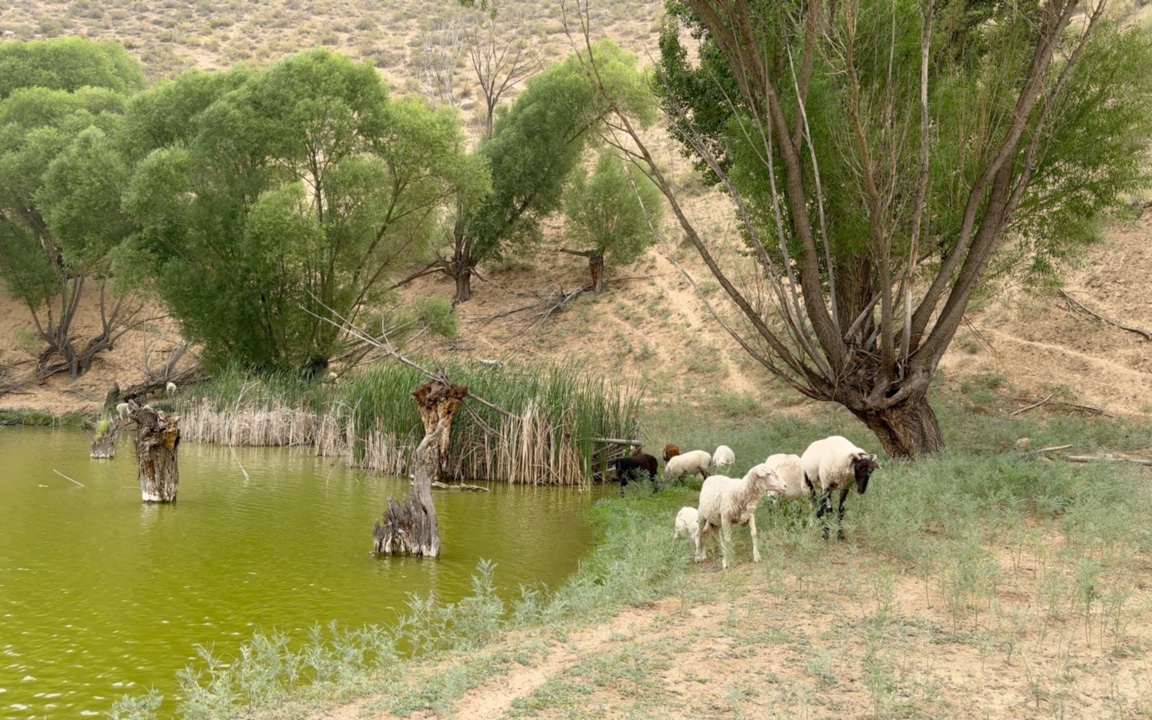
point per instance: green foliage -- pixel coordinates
(615, 212)
(539, 140)
(68, 64)
(277, 201)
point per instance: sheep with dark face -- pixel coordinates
(634, 467)
(834, 463)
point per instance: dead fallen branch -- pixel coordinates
(1041, 451)
(1033, 405)
(459, 486)
(1074, 305)
(1107, 458)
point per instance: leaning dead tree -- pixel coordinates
(157, 438)
(410, 528)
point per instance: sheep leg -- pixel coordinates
(701, 538)
(825, 507)
(840, 513)
(755, 544)
(725, 540)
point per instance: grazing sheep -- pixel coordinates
(687, 523)
(788, 469)
(689, 463)
(170, 388)
(123, 409)
(723, 458)
(670, 451)
(726, 501)
(834, 463)
(633, 466)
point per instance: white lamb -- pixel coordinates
(726, 501)
(687, 523)
(123, 410)
(834, 463)
(689, 463)
(723, 458)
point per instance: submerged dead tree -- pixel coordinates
(410, 528)
(157, 438)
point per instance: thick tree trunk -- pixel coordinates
(410, 528)
(157, 438)
(909, 429)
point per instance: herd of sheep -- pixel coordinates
(831, 465)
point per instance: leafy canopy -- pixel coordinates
(269, 201)
(613, 211)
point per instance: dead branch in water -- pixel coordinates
(1074, 305)
(459, 486)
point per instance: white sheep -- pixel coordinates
(170, 388)
(689, 463)
(834, 463)
(723, 458)
(788, 469)
(123, 409)
(726, 501)
(687, 524)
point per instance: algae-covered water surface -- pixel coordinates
(102, 595)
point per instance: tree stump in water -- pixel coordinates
(157, 437)
(410, 528)
(104, 444)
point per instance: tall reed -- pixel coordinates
(548, 435)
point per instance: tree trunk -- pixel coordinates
(596, 267)
(463, 277)
(157, 438)
(104, 446)
(909, 429)
(410, 528)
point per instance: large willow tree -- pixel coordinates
(880, 153)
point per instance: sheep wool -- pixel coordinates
(726, 501)
(834, 463)
(723, 457)
(790, 473)
(689, 463)
(687, 523)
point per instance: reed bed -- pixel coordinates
(252, 426)
(549, 435)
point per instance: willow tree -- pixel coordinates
(535, 145)
(273, 203)
(60, 178)
(879, 154)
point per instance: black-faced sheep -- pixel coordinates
(834, 463)
(689, 463)
(726, 501)
(634, 467)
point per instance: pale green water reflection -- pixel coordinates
(102, 595)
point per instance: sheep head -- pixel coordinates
(863, 465)
(762, 479)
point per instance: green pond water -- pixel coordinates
(103, 595)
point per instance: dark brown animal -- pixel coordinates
(670, 451)
(634, 467)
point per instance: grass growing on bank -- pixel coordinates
(547, 434)
(1011, 554)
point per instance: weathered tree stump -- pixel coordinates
(104, 444)
(157, 437)
(410, 528)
